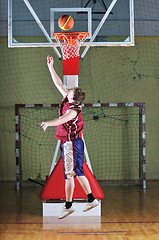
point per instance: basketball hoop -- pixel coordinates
(70, 43)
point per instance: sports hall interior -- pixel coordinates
(108, 75)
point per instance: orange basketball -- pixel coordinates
(66, 22)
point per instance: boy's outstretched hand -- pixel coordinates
(44, 125)
(50, 61)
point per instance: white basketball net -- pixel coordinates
(70, 46)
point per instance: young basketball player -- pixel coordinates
(69, 125)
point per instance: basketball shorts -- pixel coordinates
(72, 157)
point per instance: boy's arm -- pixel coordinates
(57, 81)
(69, 115)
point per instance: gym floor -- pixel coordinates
(127, 213)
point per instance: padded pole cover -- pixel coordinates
(55, 185)
(71, 66)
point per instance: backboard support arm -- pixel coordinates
(10, 39)
(41, 26)
(99, 26)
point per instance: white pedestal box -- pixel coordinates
(54, 208)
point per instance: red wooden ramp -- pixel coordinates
(55, 185)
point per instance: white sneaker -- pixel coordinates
(91, 205)
(65, 212)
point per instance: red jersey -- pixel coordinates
(71, 129)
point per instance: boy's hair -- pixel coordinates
(79, 95)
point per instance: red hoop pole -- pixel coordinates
(71, 66)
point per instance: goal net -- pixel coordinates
(113, 133)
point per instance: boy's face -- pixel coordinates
(71, 94)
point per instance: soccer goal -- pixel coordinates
(114, 136)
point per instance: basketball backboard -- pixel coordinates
(32, 23)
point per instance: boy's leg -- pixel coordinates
(84, 184)
(78, 155)
(92, 202)
(69, 188)
(68, 163)
(68, 208)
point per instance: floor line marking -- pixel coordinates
(93, 232)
